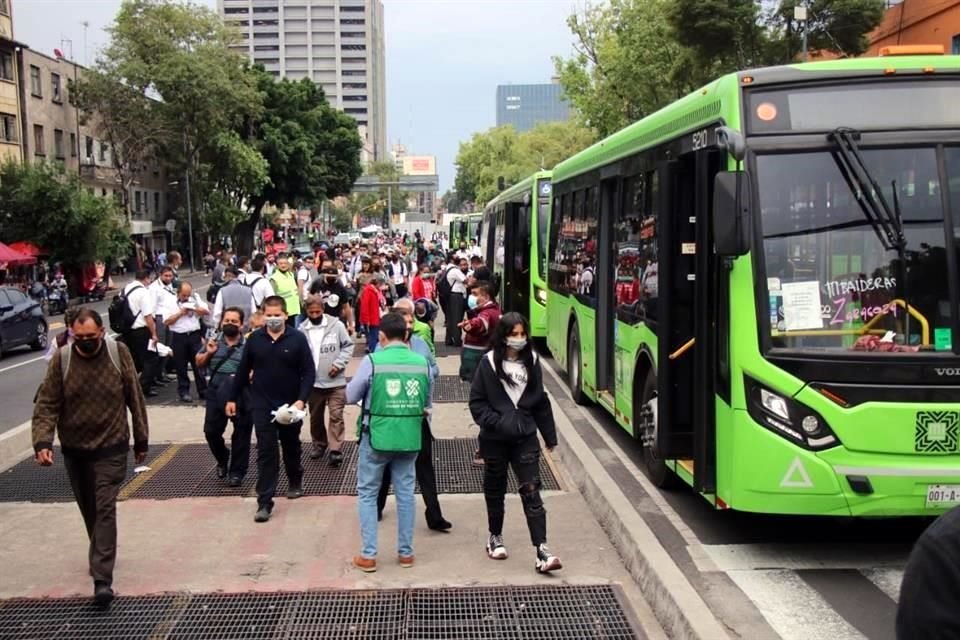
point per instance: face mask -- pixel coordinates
(472, 301)
(315, 321)
(274, 323)
(231, 330)
(331, 279)
(87, 346)
(517, 344)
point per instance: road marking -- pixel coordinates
(155, 465)
(20, 364)
(793, 556)
(55, 325)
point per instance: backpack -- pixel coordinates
(249, 285)
(444, 289)
(121, 315)
(112, 350)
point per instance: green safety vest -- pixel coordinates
(396, 399)
(422, 329)
(285, 286)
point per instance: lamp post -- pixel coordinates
(800, 15)
(193, 262)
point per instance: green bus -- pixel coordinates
(802, 355)
(464, 229)
(513, 239)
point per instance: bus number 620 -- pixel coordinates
(700, 139)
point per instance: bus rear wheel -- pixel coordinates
(574, 370)
(645, 409)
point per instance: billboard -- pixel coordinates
(419, 165)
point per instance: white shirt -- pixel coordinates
(188, 322)
(261, 287)
(164, 297)
(140, 300)
(457, 280)
(399, 271)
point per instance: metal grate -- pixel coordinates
(450, 389)
(29, 482)
(456, 473)
(559, 612)
(444, 350)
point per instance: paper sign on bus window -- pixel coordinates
(942, 339)
(801, 305)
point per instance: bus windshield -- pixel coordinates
(833, 281)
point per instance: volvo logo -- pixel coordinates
(947, 371)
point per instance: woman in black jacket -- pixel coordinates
(508, 402)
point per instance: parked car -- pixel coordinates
(342, 240)
(21, 321)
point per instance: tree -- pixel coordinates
(43, 204)
(836, 26)
(312, 150)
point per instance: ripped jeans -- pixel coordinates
(524, 457)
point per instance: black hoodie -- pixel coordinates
(495, 413)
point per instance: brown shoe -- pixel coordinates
(405, 561)
(368, 565)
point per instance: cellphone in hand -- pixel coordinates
(213, 334)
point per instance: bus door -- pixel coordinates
(606, 291)
(515, 286)
(686, 359)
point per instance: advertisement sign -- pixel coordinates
(419, 165)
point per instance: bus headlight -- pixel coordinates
(541, 295)
(788, 418)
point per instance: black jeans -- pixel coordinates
(270, 438)
(146, 361)
(426, 478)
(454, 317)
(185, 347)
(524, 457)
(237, 457)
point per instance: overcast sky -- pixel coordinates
(444, 58)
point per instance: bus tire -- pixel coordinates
(654, 468)
(574, 367)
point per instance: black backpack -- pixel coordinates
(443, 286)
(121, 315)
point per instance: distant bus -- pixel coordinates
(761, 282)
(513, 241)
(464, 229)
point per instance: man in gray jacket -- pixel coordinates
(332, 348)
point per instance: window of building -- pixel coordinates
(73, 145)
(8, 127)
(103, 192)
(353, 47)
(265, 9)
(266, 47)
(354, 73)
(104, 147)
(39, 149)
(356, 21)
(6, 66)
(55, 87)
(354, 34)
(235, 10)
(351, 9)
(156, 202)
(955, 45)
(354, 110)
(354, 85)
(354, 98)
(137, 201)
(4, 7)
(58, 144)
(36, 86)
(362, 123)
(258, 36)
(353, 60)
(89, 149)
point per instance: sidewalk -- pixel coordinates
(198, 545)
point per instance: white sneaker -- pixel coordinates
(546, 561)
(495, 548)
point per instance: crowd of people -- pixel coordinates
(268, 346)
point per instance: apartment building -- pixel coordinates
(10, 116)
(526, 105)
(338, 44)
(918, 22)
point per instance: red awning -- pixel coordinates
(28, 249)
(14, 258)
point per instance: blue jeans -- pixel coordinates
(373, 337)
(370, 468)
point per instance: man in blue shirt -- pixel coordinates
(283, 374)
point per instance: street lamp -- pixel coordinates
(800, 15)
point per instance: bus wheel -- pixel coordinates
(645, 408)
(574, 370)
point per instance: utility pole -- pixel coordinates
(193, 262)
(800, 15)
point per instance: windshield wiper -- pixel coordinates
(887, 222)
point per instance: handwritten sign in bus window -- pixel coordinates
(801, 305)
(848, 286)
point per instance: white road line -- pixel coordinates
(792, 607)
(20, 364)
(746, 557)
(887, 580)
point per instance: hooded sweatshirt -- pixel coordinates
(330, 345)
(482, 323)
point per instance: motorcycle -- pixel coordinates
(56, 301)
(96, 290)
(38, 292)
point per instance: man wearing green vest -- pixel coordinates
(394, 386)
(285, 285)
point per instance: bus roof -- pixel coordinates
(524, 185)
(720, 99)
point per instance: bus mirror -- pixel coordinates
(731, 228)
(501, 184)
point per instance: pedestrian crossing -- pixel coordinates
(816, 592)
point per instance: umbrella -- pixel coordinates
(14, 258)
(28, 248)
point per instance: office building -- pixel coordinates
(10, 115)
(526, 105)
(339, 44)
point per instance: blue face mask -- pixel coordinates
(472, 301)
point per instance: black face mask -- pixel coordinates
(231, 330)
(330, 279)
(316, 321)
(87, 346)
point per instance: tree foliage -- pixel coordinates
(502, 152)
(76, 226)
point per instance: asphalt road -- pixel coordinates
(22, 370)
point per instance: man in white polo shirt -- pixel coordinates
(183, 320)
(143, 332)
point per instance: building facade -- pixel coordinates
(919, 22)
(54, 130)
(10, 107)
(338, 44)
(526, 105)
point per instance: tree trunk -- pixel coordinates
(243, 240)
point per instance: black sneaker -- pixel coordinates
(546, 561)
(221, 471)
(336, 458)
(495, 548)
(317, 451)
(185, 397)
(102, 594)
(294, 492)
(440, 525)
(150, 393)
(262, 515)
(235, 481)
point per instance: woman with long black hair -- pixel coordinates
(508, 402)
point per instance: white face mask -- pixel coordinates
(517, 344)
(274, 323)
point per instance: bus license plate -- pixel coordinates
(943, 494)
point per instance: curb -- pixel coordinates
(15, 445)
(675, 602)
